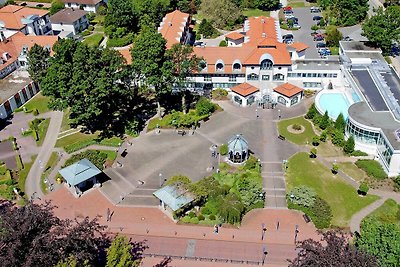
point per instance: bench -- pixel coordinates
(306, 218)
(181, 132)
(281, 137)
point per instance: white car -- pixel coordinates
(296, 26)
(315, 9)
(289, 16)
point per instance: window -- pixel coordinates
(207, 78)
(232, 78)
(266, 64)
(252, 77)
(278, 77)
(265, 77)
(282, 100)
(236, 66)
(294, 100)
(220, 66)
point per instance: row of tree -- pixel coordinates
(345, 12)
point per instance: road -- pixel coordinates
(32, 183)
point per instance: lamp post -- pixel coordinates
(263, 230)
(161, 180)
(265, 253)
(279, 114)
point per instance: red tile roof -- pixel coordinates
(173, 26)
(11, 16)
(126, 53)
(245, 89)
(299, 46)
(83, 2)
(234, 35)
(21, 40)
(288, 89)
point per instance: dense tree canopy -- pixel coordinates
(334, 250)
(266, 4)
(345, 12)
(38, 62)
(383, 29)
(381, 240)
(56, 5)
(222, 13)
(155, 9)
(121, 14)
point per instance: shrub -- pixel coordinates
(194, 220)
(315, 140)
(90, 28)
(85, 33)
(186, 219)
(397, 183)
(204, 107)
(348, 147)
(102, 10)
(219, 94)
(323, 136)
(223, 43)
(192, 214)
(205, 210)
(35, 135)
(372, 168)
(96, 157)
(321, 213)
(223, 149)
(201, 217)
(358, 153)
(35, 112)
(296, 127)
(212, 205)
(212, 217)
(251, 163)
(179, 180)
(335, 168)
(302, 195)
(313, 152)
(3, 168)
(337, 138)
(118, 42)
(312, 111)
(363, 189)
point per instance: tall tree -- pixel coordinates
(38, 62)
(324, 123)
(349, 145)
(266, 4)
(334, 250)
(123, 252)
(381, 240)
(121, 14)
(185, 63)
(155, 9)
(383, 29)
(56, 5)
(333, 36)
(221, 13)
(149, 63)
(345, 12)
(340, 123)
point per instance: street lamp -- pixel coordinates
(161, 179)
(263, 230)
(265, 253)
(279, 114)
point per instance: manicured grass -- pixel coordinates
(94, 39)
(65, 121)
(327, 149)
(99, 28)
(352, 170)
(52, 161)
(24, 173)
(296, 4)
(43, 126)
(342, 197)
(300, 139)
(80, 140)
(387, 213)
(111, 155)
(38, 102)
(254, 12)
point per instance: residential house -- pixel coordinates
(27, 20)
(69, 20)
(175, 27)
(86, 5)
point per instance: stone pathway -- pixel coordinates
(274, 185)
(355, 221)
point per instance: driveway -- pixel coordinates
(304, 34)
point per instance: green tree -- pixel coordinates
(250, 190)
(150, 65)
(337, 137)
(325, 121)
(204, 106)
(230, 208)
(381, 240)
(340, 123)
(207, 29)
(221, 13)
(153, 9)
(38, 62)
(121, 14)
(302, 195)
(56, 5)
(312, 111)
(349, 145)
(333, 36)
(119, 254)
(345, 12)
(266, 4)
(382, 29)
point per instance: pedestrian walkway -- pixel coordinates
(274, 185)
(355, 221)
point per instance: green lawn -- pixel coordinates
(80, 140)
(94, 39)
(111, 155)
(24, 173)
(352, 170)
(342, 197)
(98, 28)
(43, 126)
(387, 213)
(65, 121)
(296, 4)
(254, 12)
(300, 139)
(53, 160)
(39, 102)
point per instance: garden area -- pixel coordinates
(341, 197)
(296, 130)
(38, 102)
(77, 141)
(94, 39)
(37, 129)
(179, 120)
(224, 197)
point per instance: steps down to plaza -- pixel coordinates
(274, 185)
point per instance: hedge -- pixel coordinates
(118, 42)
(320, 213)
(96, 157)
(372, 168)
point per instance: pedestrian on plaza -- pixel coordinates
(108, 214)
(277, 225)
(111, 214)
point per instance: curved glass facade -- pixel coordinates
(362, 135)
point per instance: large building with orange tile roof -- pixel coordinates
(86, 5)
(175, 27)
(28, 20)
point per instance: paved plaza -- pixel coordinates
(152, 158)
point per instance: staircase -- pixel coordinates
(274, 185)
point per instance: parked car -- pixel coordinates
(288, 36)
(317, 18)
(289, 16)
(198, 43)
(296, 26)
(320, 45)
(287, 8)
(315, 9)
(325, 51)
(318, 37)
(286, 12)
(395, 50)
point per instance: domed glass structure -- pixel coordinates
(238, 149)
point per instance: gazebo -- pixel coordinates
(238, 149)
(172, 198)
(80, 176)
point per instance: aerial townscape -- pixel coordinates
(200, 133)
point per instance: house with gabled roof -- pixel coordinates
(86, 5)
(175, 27)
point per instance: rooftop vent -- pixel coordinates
(263, 34)
(170, 23)
(263, 21)
(6, 56)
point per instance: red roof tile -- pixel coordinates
(245, 89)
(288, 89)
(11, 16)
(173, 26)
(234, 35)
(299, 46)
